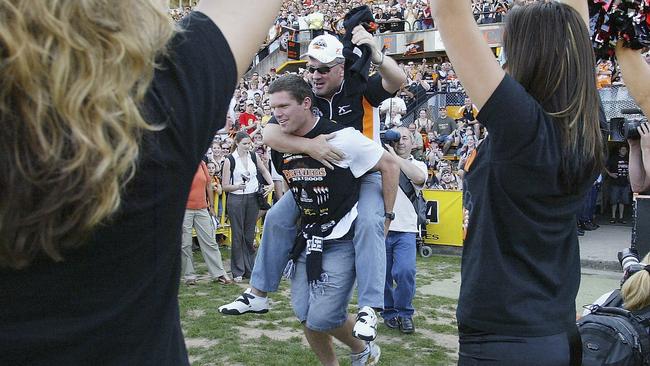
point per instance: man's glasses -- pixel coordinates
(321, 70)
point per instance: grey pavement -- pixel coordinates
(601, 271)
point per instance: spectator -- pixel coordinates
(423, 122)
(248, 120)
(619, 187)
(315, 21)
(443, 128)
(240, 181)
(418, 143)
(400, 241)
(469, 112)
(199, 215)
(542, 154)
(90, 269)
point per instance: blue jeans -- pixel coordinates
(589, 204)
(325, 307)
(489, 349)
(280, 231)
(400, 269)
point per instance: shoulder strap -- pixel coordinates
(406, 187)
(254, 159)
(232, 166)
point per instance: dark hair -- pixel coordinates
(240, 136)
(550, 55)
(295, 85)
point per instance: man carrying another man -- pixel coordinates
(322, 260)
(335, 99)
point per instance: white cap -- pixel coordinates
(325, 48)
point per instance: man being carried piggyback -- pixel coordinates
(322, 261)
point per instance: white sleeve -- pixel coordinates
(275, 176)
(423, 167)
(361, 153)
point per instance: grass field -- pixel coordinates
(276, 338)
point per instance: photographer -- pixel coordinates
(637, 78)
(400, 242)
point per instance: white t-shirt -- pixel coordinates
(361, 155)
(240, 170)
(406, 219)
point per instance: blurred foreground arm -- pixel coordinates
(243, 37)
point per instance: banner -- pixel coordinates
(445, 217)
(286, 34)
(414, 48)
(293, 50)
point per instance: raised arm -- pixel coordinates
(392, 77)
(636, 73)
(472, 58)
(243, 37)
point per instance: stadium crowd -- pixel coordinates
(432, 103)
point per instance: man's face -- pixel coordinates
(267, 110)
(412, 127)
(405, 144)
(249, 108)
(622, 151)
(468, 102)
(291, 115)
(325, 84)
(442, 113)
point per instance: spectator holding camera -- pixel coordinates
(400, 242)
(637, 72)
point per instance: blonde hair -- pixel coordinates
(73, 75)
(636, 290)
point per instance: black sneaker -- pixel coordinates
(589, 226)
(581, 232)
(406, 325)
(612, 221)
(392, 323)
(621, 221)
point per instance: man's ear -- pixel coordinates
(306, 103)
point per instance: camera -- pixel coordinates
(629, 260)
(389, 137)
(630, 128)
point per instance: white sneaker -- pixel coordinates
(366, 326)
(246, 303)
(369, 356)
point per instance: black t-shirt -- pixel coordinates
(521, 266)
(356, 110)
(114, 301)
(619, 165)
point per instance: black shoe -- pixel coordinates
(621, 221)
(589, 226)
(392, 323)
(612, 221)
(406, 325)
(581, 232)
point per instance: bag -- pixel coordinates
(419, 204)
(615, 336)
(261, 200)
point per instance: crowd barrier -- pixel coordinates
(444, 217)
(223, 231)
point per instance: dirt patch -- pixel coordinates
(280, 334)
(195, 313)
(200, 342)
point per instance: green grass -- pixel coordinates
(276, 338)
